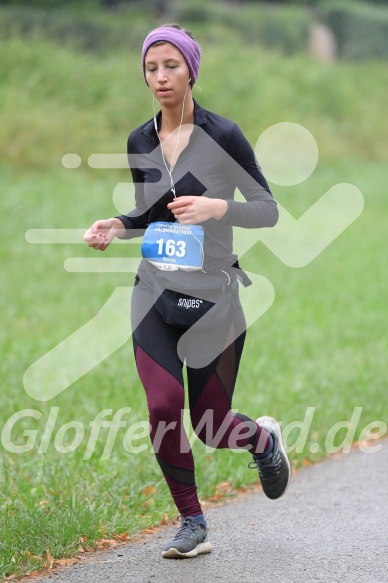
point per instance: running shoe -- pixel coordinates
(275, 469)
(189, 541)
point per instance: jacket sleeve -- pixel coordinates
(136, 220)
(260, 208)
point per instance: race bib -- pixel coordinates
(172, 246)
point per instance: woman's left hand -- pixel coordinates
(197, 209)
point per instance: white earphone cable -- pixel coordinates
(170, 171)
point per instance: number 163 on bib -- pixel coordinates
(172, 246)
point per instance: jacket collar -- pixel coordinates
(199, 120)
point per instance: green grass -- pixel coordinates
(322, 344)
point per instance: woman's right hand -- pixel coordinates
(101, 233)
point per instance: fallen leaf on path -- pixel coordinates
(102, 542)
(121, 537)
(165, 519)
(50, 560)
(364, 443)
(224, 489)
(64, 562)
(150, 530)
(215, 498)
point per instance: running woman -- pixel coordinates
(186, 164)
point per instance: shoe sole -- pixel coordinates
(272, 426)
(200, 549)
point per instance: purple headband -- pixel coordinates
(186, 45)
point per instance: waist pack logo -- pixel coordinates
(183, 298)
(188, 303)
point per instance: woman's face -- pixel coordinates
(167, 74)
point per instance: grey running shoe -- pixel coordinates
(189, 541)
(275, 470)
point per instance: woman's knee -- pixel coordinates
(211, 428)
(165, 409)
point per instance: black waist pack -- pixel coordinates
(182, 298)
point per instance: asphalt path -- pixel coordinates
(331, 526)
